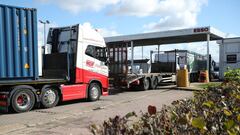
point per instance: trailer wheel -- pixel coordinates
(145, 85)
(23, 99)
(49, 97)
(154, 83)
(94, 92)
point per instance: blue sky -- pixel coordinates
(114, 17)
(222, 14)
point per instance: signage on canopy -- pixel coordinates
(201, 30)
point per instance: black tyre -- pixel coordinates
(154, 83)
(49, 97)
(94, 92)
(145, 84)
(23, 100)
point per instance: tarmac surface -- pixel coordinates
(74, 118)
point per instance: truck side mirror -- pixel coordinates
(107, 62)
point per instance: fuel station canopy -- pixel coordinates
(198, 34)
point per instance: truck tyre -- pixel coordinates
(154, 83)
(23, 99)
(49, 97)
(145, 84)
(94, 92)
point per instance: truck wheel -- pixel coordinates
(145, 85)
(154, 83)
(23, 100)
(94, 92)
(49, 97)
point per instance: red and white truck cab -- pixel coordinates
(86, 60)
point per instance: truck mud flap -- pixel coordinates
(4, 102)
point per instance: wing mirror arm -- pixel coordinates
(107, 62)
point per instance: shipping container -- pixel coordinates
(18, 43)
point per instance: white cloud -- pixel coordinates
(177, 21)
(76, 6)
(135, 8)
(108, 32)
(231, 35)
(176, 14)
(173, 14)
(156, 7)
(87, 25)
(105, 32)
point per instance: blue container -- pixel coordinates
(18, 43)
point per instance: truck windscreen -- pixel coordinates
(96, 52)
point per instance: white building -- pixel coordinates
(229, 55)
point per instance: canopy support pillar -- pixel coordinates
(132, 56)
(208, 61)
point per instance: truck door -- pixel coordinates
(94, 64)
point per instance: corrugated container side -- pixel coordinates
(18, 43)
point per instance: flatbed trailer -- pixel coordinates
(9, 88)
(122, 77)
(32, 82)
(147, 81)
(143, 81)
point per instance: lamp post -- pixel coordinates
(44, 31)
(44, 39)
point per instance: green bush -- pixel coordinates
(232, 75)
(213, 111)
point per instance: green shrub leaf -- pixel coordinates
(229, 124)
(227, 112)
(130, 114)
(231, 132)
(198, 123)
(238, 117)
(209, 104)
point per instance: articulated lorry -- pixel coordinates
(78, 64)
(75, 68)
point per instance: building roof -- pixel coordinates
(229, 40)
(168, 37)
